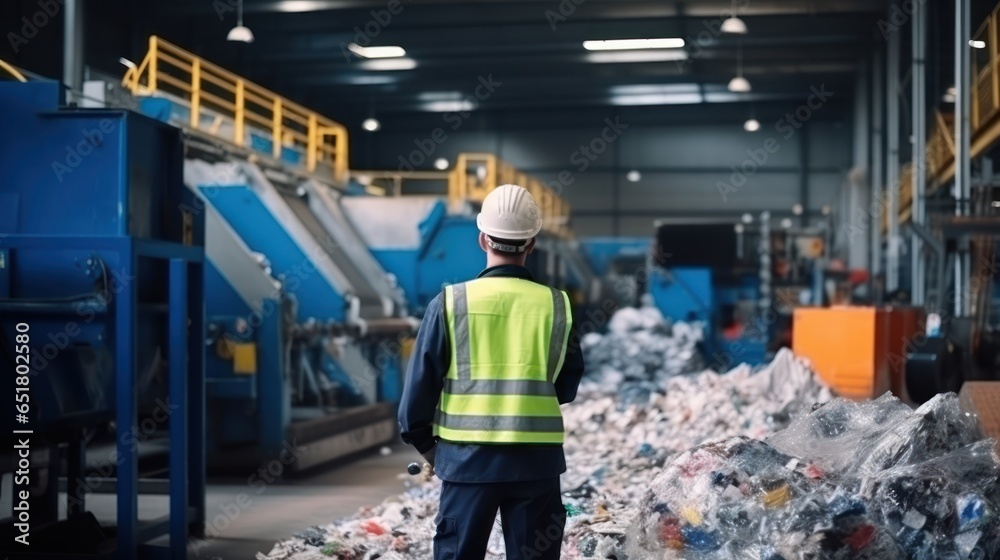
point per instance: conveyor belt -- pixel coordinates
(326, 205)
(371, 301)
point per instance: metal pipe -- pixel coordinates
(764, 248)
(860, 177)
(73, 48)
(804, 174)
(919, 161)
(892, 163)
(878, 78)
(962, 161)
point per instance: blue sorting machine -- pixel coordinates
(304, 327)
(101, 314)
(682, 291)
(426, 246)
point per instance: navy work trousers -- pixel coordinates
(531, 512)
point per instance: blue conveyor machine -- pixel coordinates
(425, 246)
(100, 289)
(304, 327)
(684, 287)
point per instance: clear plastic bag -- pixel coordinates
(849, 480)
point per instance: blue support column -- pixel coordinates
(196, 398)
(179, 441)
(125, 302)
(271, 411)
(76, 492)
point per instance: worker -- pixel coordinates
(493, 360)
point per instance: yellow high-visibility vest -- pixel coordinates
(508, 340)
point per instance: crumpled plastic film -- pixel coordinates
(849, 480)
(644, 400)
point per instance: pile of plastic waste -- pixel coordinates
(641, 351)
(865, 480)
(618, 441)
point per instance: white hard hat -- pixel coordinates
(509, 212)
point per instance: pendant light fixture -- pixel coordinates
(240, 33)
(739, 84)
(734, 24)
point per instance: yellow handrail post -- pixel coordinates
(276, 120)
(238, 136)
(491, 173)
(340, 166)
(312, 143)
(195, 93)
(457, 188)
(154, 53)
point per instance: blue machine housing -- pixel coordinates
(283, 285)
(681, 293)
(99, 259)
(434, 248)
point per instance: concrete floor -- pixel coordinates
(266, 514)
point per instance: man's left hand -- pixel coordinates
(429, 456)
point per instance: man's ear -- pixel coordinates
(530, 247)
(482, 243)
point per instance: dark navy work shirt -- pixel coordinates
(470, 462)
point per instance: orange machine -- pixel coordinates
(859, 351)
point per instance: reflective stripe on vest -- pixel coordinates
(508, 342)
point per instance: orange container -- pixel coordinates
(847, 346)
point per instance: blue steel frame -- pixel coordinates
(186, 383)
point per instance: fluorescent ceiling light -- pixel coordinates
(643, 89)
(439, 96)
(291, 6)
(661, 55)
(633, 44)
(369, 80)
(371, 124)
(449, 106)
(658, 99)
(734, 25)
(752, 125)
(388, 64)
(977, 44)
(376, 52)
(729, 97)
(739, 84)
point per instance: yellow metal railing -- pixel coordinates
(234, 109)
(984, 121)
(476, 174)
